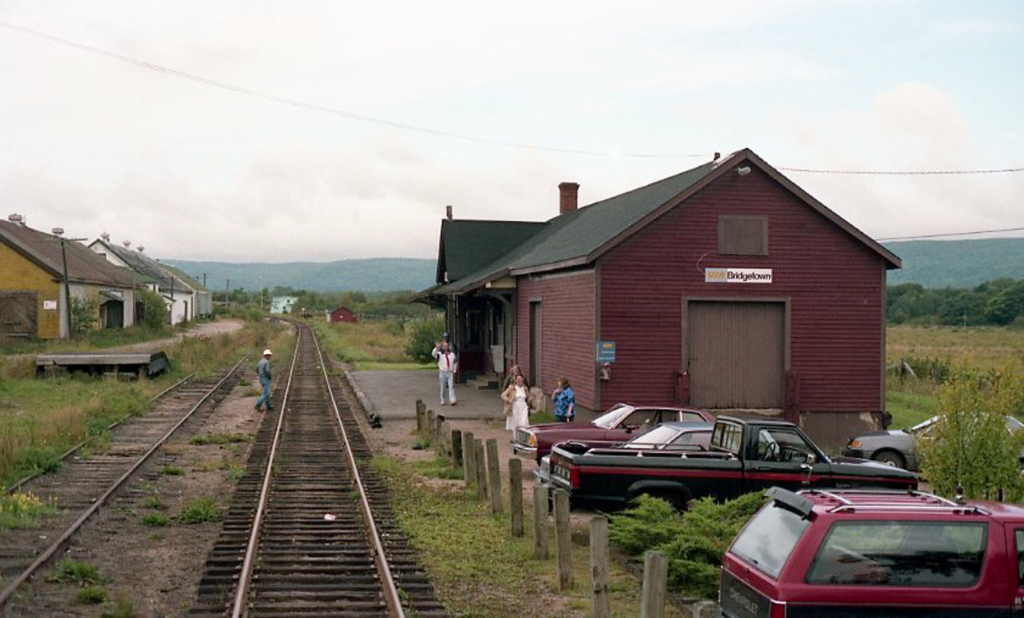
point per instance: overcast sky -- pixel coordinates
(195, 171)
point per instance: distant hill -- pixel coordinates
(370, 275)
(931, 263)
(957, 263)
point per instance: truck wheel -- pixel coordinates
(891, 458)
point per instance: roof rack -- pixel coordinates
(854, 499)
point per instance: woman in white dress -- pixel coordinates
(516, 399)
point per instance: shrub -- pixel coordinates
(970, 446)
(422, 337)
(92, 595)
(71, 571)
(693, 542)
(199, 511)
(154, 310)
(156, 520)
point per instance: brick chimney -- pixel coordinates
(568, 196)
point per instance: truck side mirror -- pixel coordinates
(808, 467)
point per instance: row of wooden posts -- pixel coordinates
(479, 461)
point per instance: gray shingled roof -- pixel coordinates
(148, 267)
(469, 245)
(574, 236)
(44, 249)
(578, 237)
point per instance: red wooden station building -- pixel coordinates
(726, 287)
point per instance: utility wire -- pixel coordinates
(923, 236)
(438, 132)
(329, 110)
(899, 173)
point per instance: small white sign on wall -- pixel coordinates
(50, 305)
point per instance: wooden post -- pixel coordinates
(437, 436)
(428, 430)
(494, 476)
(481, 469)
(599, 567)
(515, 495)
(540, 522)
(655, 582)
(421, 416)
(469, 459)
(563, 540)
(456, 449)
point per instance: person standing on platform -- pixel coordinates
(264, 374)
(565, 401)
(517, 396)
(447, 365)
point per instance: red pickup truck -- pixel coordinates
(846, 554)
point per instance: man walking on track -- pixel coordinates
(263, 372)
(447, 365)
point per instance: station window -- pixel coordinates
(742, 235)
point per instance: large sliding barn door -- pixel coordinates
(736, 354)
(19, 314)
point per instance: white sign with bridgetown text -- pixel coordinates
(737, 275)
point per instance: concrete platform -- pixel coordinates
(102, 363)
(393, 395)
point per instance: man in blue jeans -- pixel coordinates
(263, 372)
(447, 365)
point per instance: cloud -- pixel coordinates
(910, 127)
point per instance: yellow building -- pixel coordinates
(32, 291)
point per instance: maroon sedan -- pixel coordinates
(622, 422)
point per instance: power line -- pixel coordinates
(923, 236)
(329, 110)
(899, 173)
(438, 132)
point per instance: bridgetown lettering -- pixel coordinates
(737, 275)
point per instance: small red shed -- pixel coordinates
(726, 287)
(341, 314)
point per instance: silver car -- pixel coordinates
(896, 447)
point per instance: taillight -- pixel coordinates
(778, 610)
(574, 476)
(533, 439)
(854, 444)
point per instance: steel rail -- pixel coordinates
(57, 545)
(248, 564)
(391, 596)
(71, 451)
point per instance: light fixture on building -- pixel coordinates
(742, 171)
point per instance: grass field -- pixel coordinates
(910, 400)
(40, 418)
(368, 345)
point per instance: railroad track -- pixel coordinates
(310, 532)
(84, 485)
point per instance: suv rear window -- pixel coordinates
(901, 553)
(769, 539)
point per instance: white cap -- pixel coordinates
(267, 352)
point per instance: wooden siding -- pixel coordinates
(834, 286)
(17, 273)
(567, 336)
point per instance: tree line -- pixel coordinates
(994, 303)
(366, 305)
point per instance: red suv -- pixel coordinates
(845, 554)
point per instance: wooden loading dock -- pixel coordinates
(134, 364)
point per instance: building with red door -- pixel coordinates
(726, 287)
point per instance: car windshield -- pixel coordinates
(662, 434)
(612, 417)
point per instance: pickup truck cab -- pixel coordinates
(744, 455)
(845, 554)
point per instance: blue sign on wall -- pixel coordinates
(606, 351)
